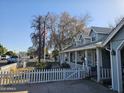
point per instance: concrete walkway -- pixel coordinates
(77, 86)
(16, 92)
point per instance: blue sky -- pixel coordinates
(16, 16)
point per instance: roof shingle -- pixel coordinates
(102, 30)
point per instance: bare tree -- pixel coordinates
(116, 21)
(63, 28)
(38, 37)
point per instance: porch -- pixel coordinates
(96, 61)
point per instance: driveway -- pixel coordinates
(77, 86)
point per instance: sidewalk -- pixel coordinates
(77, 86)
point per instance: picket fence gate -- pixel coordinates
(44, 75)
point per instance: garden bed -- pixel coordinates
(47, 65)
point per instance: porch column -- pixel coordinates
(119, 71)
(61, 58)
(86, 57)
(64, 57)
(99, 61)
(69, 57)
(75, 59)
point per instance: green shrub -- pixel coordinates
(48, 66)
(43, 65)
(54, 63)
(65, 65)
(31, 64)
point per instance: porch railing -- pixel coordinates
(105, 73)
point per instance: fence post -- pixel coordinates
(2, 77)
(78, 73)
(64, 74)
(24, 64)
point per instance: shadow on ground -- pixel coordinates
(77, 86)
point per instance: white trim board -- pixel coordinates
(114, 31)
(119, 70)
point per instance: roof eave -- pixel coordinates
(93, 46)
(115, 30)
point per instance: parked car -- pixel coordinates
(3, 57)
(12, 59)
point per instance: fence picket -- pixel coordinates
(43, 75)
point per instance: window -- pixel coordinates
(73, 42)
(81, 39)
(94, 37)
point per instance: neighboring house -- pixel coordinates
(102, 48)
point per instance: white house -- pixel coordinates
(103, 49)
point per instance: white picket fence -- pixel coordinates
(105, 73)
(37, 76)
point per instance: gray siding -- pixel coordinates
(101, 36)
(119, 36)
(87, 40)
(115, 42)
(93, 34)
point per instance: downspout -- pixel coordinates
(108, 49)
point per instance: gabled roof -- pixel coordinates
(89, 45)
(113, 32)
(102, 30)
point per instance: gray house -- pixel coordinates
(102, 49)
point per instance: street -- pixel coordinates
(75, 86)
